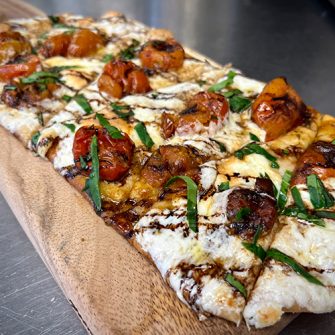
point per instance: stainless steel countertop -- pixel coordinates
(264, 39)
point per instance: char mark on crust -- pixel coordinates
(123, 222)
(124, 215)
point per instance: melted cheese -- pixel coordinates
(249, 87)
(64, 156)
(208, 175)
(55, 129)
(279, 289)
(21, 123)
(310, 245)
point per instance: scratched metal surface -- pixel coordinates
(30, 301)
(264, 39)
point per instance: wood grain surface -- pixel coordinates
(113, 288)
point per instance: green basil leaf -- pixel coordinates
(242, 213)
(254, 138)
(224, 186)
(295, 212)
(253, 148)
(45, 77)
(112, 131)
(83, 103)
(57, 69)
(333, 141)
(10, 88)
(71, 126)
(92, 183)
(107, 58)
(236, 284)
(258, 234)
(40, 118)
(220, 144)
(311, 218)
(238, 103)
(66, 98)
(53, 19)
(201, 82)
(41, 77)
(43, 36)
(35, 137)
(223, 84)
(192, 193)
(256, 249)
(297, 199)
(325, 214)
(129, 53)
(118, 110)
(295, 266)
(143, 135)
(282, 195)
(320, 197)
(231, 93)
(83, 163)
(285, 152)
(290, 211)
(65, 26)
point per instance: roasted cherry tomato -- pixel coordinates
(115, 155)
(162, 55)
(27, 94)
(12, 44)
(169, 123)
(56, 45)
(260, 211)
(123, 77)
(27, 67)
(168, 161)
(110, 86)
(137, 82)
(119, 70)
(319, 159)
(278, 109)
(84, 42)
(203, 108)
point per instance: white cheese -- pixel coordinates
(20, 123)
(64, 156)
(180, 88)
(167, 247)
(248, 86)
(218, 298)
(147, 102)
(278, 290)
(84, 65)
(310, 245)
(208, 175)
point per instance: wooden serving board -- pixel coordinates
(113, 288)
